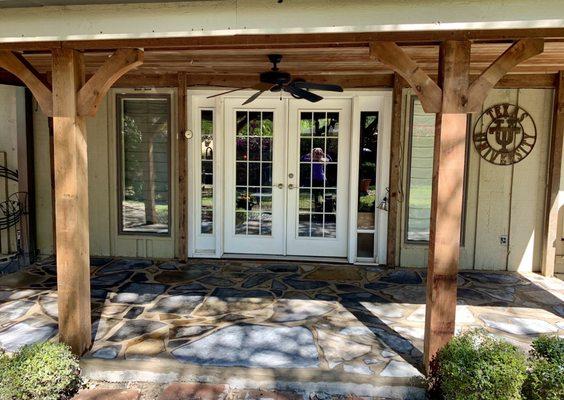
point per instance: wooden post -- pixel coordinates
(446, 200)
(395, 171)
(553, 182)
(71, 201)
(182, 172)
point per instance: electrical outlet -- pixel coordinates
(503, 240)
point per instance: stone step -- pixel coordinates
(107, 394)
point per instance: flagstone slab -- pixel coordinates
(15, 309)
(135, 329)
(257, 279)
(400, 369)
(124, 265)
(108, 394)
(404, 277)
(185, 275)
(519, 326)
(139, 293)
(107, 353)
(300, 284)
(110, 279)
(287, 310)
(253, 346)
(177, 304)
(337, 349)
(145, 349)
(29, 331)
(335, 273)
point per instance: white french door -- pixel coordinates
(318, 169)
(286, 177)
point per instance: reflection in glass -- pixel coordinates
(367, 169)
(318, 174)
(144, 148)
(206, 129)
(253, 173)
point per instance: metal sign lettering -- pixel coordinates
(504, 134)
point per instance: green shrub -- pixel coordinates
(46, 371)
(545, 378)
(477, 366)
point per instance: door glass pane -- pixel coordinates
(253, 170)
(318, 174)
(367, 169)
(144, 164)
(206, 130)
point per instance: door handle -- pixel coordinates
(290, 186)
(280, 186)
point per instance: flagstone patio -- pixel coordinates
(350, 323)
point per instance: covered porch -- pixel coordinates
(277, 325)
(364, 321)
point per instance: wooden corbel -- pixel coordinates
(391, 55)
(17, 65)
(513, 56)
(94, 90)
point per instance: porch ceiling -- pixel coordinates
(226, 66)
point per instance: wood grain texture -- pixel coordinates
(93, 92)
(391, 55)
(395, 172)
(515, 55)
(20, 67)
(553, 182)
(71, 202)
(446, 198)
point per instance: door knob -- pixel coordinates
(280, 186)
(290, 186)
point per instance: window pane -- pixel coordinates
(422, 132)
(144, 164)
(206, 131)
(367, 169)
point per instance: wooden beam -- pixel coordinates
(17, 65)
(71, 202)
(182, 169)
(516, 54)
(271, 40)
(446, 199)
(391, 55)
(93, 92)
(551, 236)
(234, 81)
(395, 171)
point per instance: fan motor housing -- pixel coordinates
(275, 77)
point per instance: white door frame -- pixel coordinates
(362, 100)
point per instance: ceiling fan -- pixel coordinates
(280, 81)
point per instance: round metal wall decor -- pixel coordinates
(504, 134)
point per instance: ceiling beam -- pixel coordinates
(94, 90)
(295, 39)
(516, 54)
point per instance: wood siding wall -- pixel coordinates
(500, 200)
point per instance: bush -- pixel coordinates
(477, 366)
(46, 371)
(545, 379)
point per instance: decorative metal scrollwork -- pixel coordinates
(504, 134)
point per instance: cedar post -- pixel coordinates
(71, 201)
(395, 171)
(553, 182)
(446, 200)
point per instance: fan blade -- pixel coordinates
(253, 97)
(317, 86)
(222, 93)
(303, 94)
